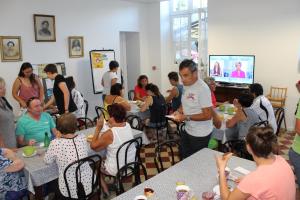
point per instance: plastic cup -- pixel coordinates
(140, 197)
(208, 195)
(182, 192)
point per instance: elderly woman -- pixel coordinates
(13, 184)
(7, 126)
(273, 177)
(66, 149)
(119, 132)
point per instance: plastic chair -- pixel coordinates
(169, 145)
(85, 120)
(130, 95)
(100, 111)
(135, 122)
(94, 162)
(279, 115)
(128, 170)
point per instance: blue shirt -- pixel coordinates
(33, 129)
(176, 101)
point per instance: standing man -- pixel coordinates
(195, 110)
(110, 78)
(176, 92)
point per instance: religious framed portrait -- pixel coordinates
(44, 28)
(11, 49)
(76, 46)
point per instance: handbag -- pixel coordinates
(80, 188)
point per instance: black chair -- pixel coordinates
(279, 115)
(135, 122)
(169, 145)
(181, 128)
(237, 147)
(94, 162)
(261, 124)
(130, 95)
(100, 111)
(169, 122)
(84, 121)
(129, 170)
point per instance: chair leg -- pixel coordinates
(284, 121)
(157, 136)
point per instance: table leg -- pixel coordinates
(38, 192)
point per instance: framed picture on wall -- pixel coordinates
(75, 46)
(44, 28)
(11, 48)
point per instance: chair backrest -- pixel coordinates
(237, 147)
(100, 111)
(135, 122)
(86, 108)
(130, 95)
(126, 147)
(133, 168)
(278, 95)
(94, 162)
(279, 115)
(168, 146)
(181, 128)
(261, 123)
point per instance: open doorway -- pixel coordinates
(130, 58)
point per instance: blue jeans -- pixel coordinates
(295, 160)
(15, 195)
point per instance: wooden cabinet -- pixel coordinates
(229, 93)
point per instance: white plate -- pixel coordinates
(216, 190)
(170, 116)
(34, 153)
(132, 102)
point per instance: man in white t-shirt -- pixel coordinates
(195, 110)
(262, 106)
(110, 77)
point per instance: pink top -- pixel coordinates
(26, 92)
(274, 181)
(213, 99)
(141, 91)
(238, 74)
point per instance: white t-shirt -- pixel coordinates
(79, 101)
(262, 114)
(120, 135)
(107, 77)
(194, 98)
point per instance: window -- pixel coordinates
(188, 30)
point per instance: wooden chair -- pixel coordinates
(277, 97)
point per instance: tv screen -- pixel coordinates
(232, 68)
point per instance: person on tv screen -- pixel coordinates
(217, 69)
(238, 73)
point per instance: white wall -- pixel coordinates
(270, 30)
(98, 21)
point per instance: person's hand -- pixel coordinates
(100, 123)
(57, 134)
(23, 104)
(169, 91)
(222, 161)
(238, 180)
(8, 153)
(236, 102)
(178, 117)
(31, 142)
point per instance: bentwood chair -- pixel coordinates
(85, 121)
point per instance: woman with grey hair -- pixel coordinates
(7, 126)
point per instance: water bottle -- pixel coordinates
(46, 140)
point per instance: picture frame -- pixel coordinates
(11, 48)
(44, 28)
(76, 46)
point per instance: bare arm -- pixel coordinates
(206, 114)
(17, 164)
(124, 103)
(15, 91)
(216, 119)
(297, 126)
(148, 102)
(41, 89)
(63, 87)
(235, 119)
(137, 96)
(113, 81)
(50, 102)
(173, 93)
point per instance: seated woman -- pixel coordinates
(245, 117)
(13, 183)
(67, 149)
(116, 96)
(77, 97)
(118, 133)
(139, 90)
(273, 177)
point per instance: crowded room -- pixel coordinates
(150, 100)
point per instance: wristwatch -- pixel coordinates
(188, 118)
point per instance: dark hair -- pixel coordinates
(117, 111)
(51, 68)
(139, 81)
(67, 123)
(25, 66)
(245, 99)
(153, 88)
(28, 102)
(257, 89)
(188, 63)
(116, 89)
(262, 141)
(173, 76)
(10, 42)
(113, 65)
(70, 82)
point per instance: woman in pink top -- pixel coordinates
(273, 177)
(27, 85)
(238, 73)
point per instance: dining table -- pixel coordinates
(38, 173)
(135, 110)
(198, 172)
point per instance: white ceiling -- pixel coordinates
(144, 1)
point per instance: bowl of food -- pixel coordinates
(29, 151)
(222, 108)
